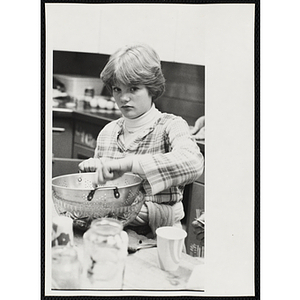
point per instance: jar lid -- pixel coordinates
(107, 226)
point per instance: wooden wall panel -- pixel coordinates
(185, 94)
(189, 110)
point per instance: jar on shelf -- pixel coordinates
(89, 93)
(105, 252)
(66, 268)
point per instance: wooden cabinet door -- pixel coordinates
(194, 245)
(62, 144)
(82, 152)
(64, 166)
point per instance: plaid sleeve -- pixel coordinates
(183, 163)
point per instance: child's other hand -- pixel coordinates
(199, 124)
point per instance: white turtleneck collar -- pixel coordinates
(142, 122)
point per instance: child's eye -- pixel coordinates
(115, 89)
(133, 89)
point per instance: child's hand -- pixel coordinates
(199, 124)
(107, 169)
(114, 168)
(90, 165)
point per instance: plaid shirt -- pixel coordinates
(170, 157)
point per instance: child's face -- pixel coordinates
(133, 101)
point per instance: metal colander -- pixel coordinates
(76, 196)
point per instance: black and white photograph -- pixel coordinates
(229, 67)
(149, 158)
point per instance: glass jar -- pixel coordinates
(105, 251)
(66, 268)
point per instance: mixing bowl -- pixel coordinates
(76, 196)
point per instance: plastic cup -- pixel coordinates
(170, 242)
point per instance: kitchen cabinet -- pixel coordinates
(195, 194)
(85, 138)
(75, 132)
(64, 166)
(62, 133)
(82, 152)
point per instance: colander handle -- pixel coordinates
(92, 192)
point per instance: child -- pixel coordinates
(157, 146)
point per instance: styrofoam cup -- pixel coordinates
(170, 242)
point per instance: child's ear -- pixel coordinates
(151, 95)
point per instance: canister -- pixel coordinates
(105, 252)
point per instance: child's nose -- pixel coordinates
(125, 97)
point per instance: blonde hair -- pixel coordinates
(134, 65)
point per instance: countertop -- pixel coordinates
(93, 115)
(88, 114)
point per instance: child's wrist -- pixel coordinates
(127, 164)
(136, 168)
